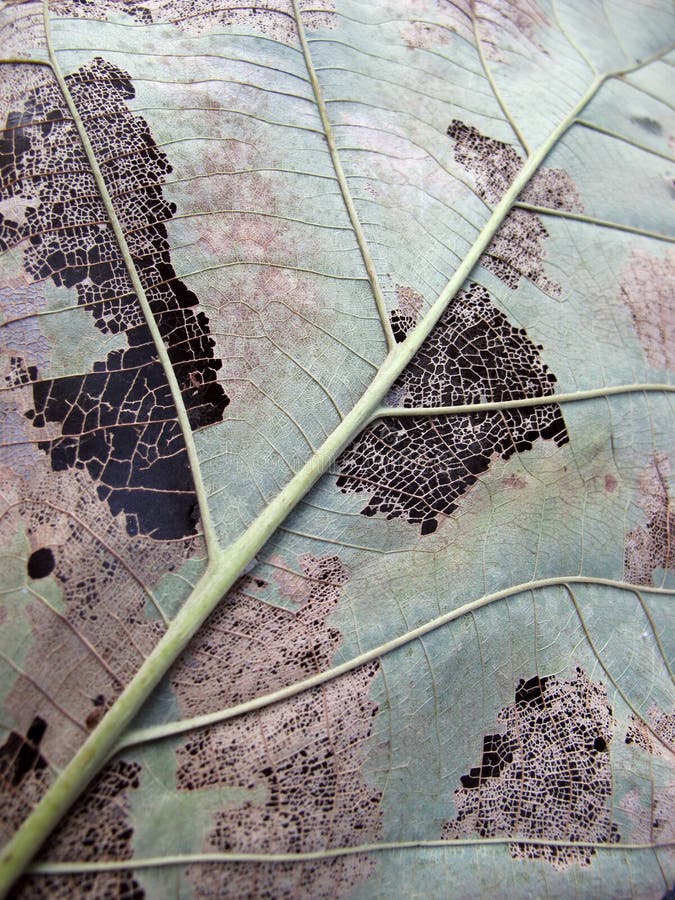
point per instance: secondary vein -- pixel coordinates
(344, 187)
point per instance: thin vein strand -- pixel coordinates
(592, 126)
(521, 403)
(493, 85)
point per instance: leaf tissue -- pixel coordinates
(337, 536)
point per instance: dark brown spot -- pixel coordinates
(41, 563)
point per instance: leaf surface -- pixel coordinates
(336, 413)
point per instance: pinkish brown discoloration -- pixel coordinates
(515, 482)
(611, 484)
(649, 546)
(647, 288)
(305, 753)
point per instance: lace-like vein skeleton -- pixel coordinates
(418, 468)
(117, 422)
(96, 829)
(663, 724)
(305, 753)
(653, 816)
(24, 775)
(273, 18)
(547, 776)
(517, 250)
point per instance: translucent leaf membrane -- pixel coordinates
(461, 635)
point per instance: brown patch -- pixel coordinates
(662, 725)
(425, 35)
(306, 752)
(554, 189)
(291, 585)
(654, 821)
(410, 302)
(417, 468)
(649, 546)
(24, 776)
(509, 22)
(279, 646)
(21, 26)
(105, 630)
(517, 250)
(273, 18)
(647, 289)
(611, 484)
(434, 21)
(515, 482)
(96, 829)
(499, 23)
(493, 163)
(548, 776)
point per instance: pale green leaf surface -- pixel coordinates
(529, 576)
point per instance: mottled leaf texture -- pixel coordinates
(336, 470)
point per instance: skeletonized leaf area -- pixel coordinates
(547, 776)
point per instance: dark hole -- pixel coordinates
(600, 745)
(41, 563)
(531, 691)
(23, 754)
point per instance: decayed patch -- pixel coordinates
(273, 18)
(97, 613)
(647, 288)
(663, 726)
(435, 21)
(417, 468)
(21, 26)
(306, 752)
(117, 422)
(24, 776)
(96, 829)
(105, 624)
(547, 776)
(650, 546)
(517, 250)
(502, 23)
(498, 23)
